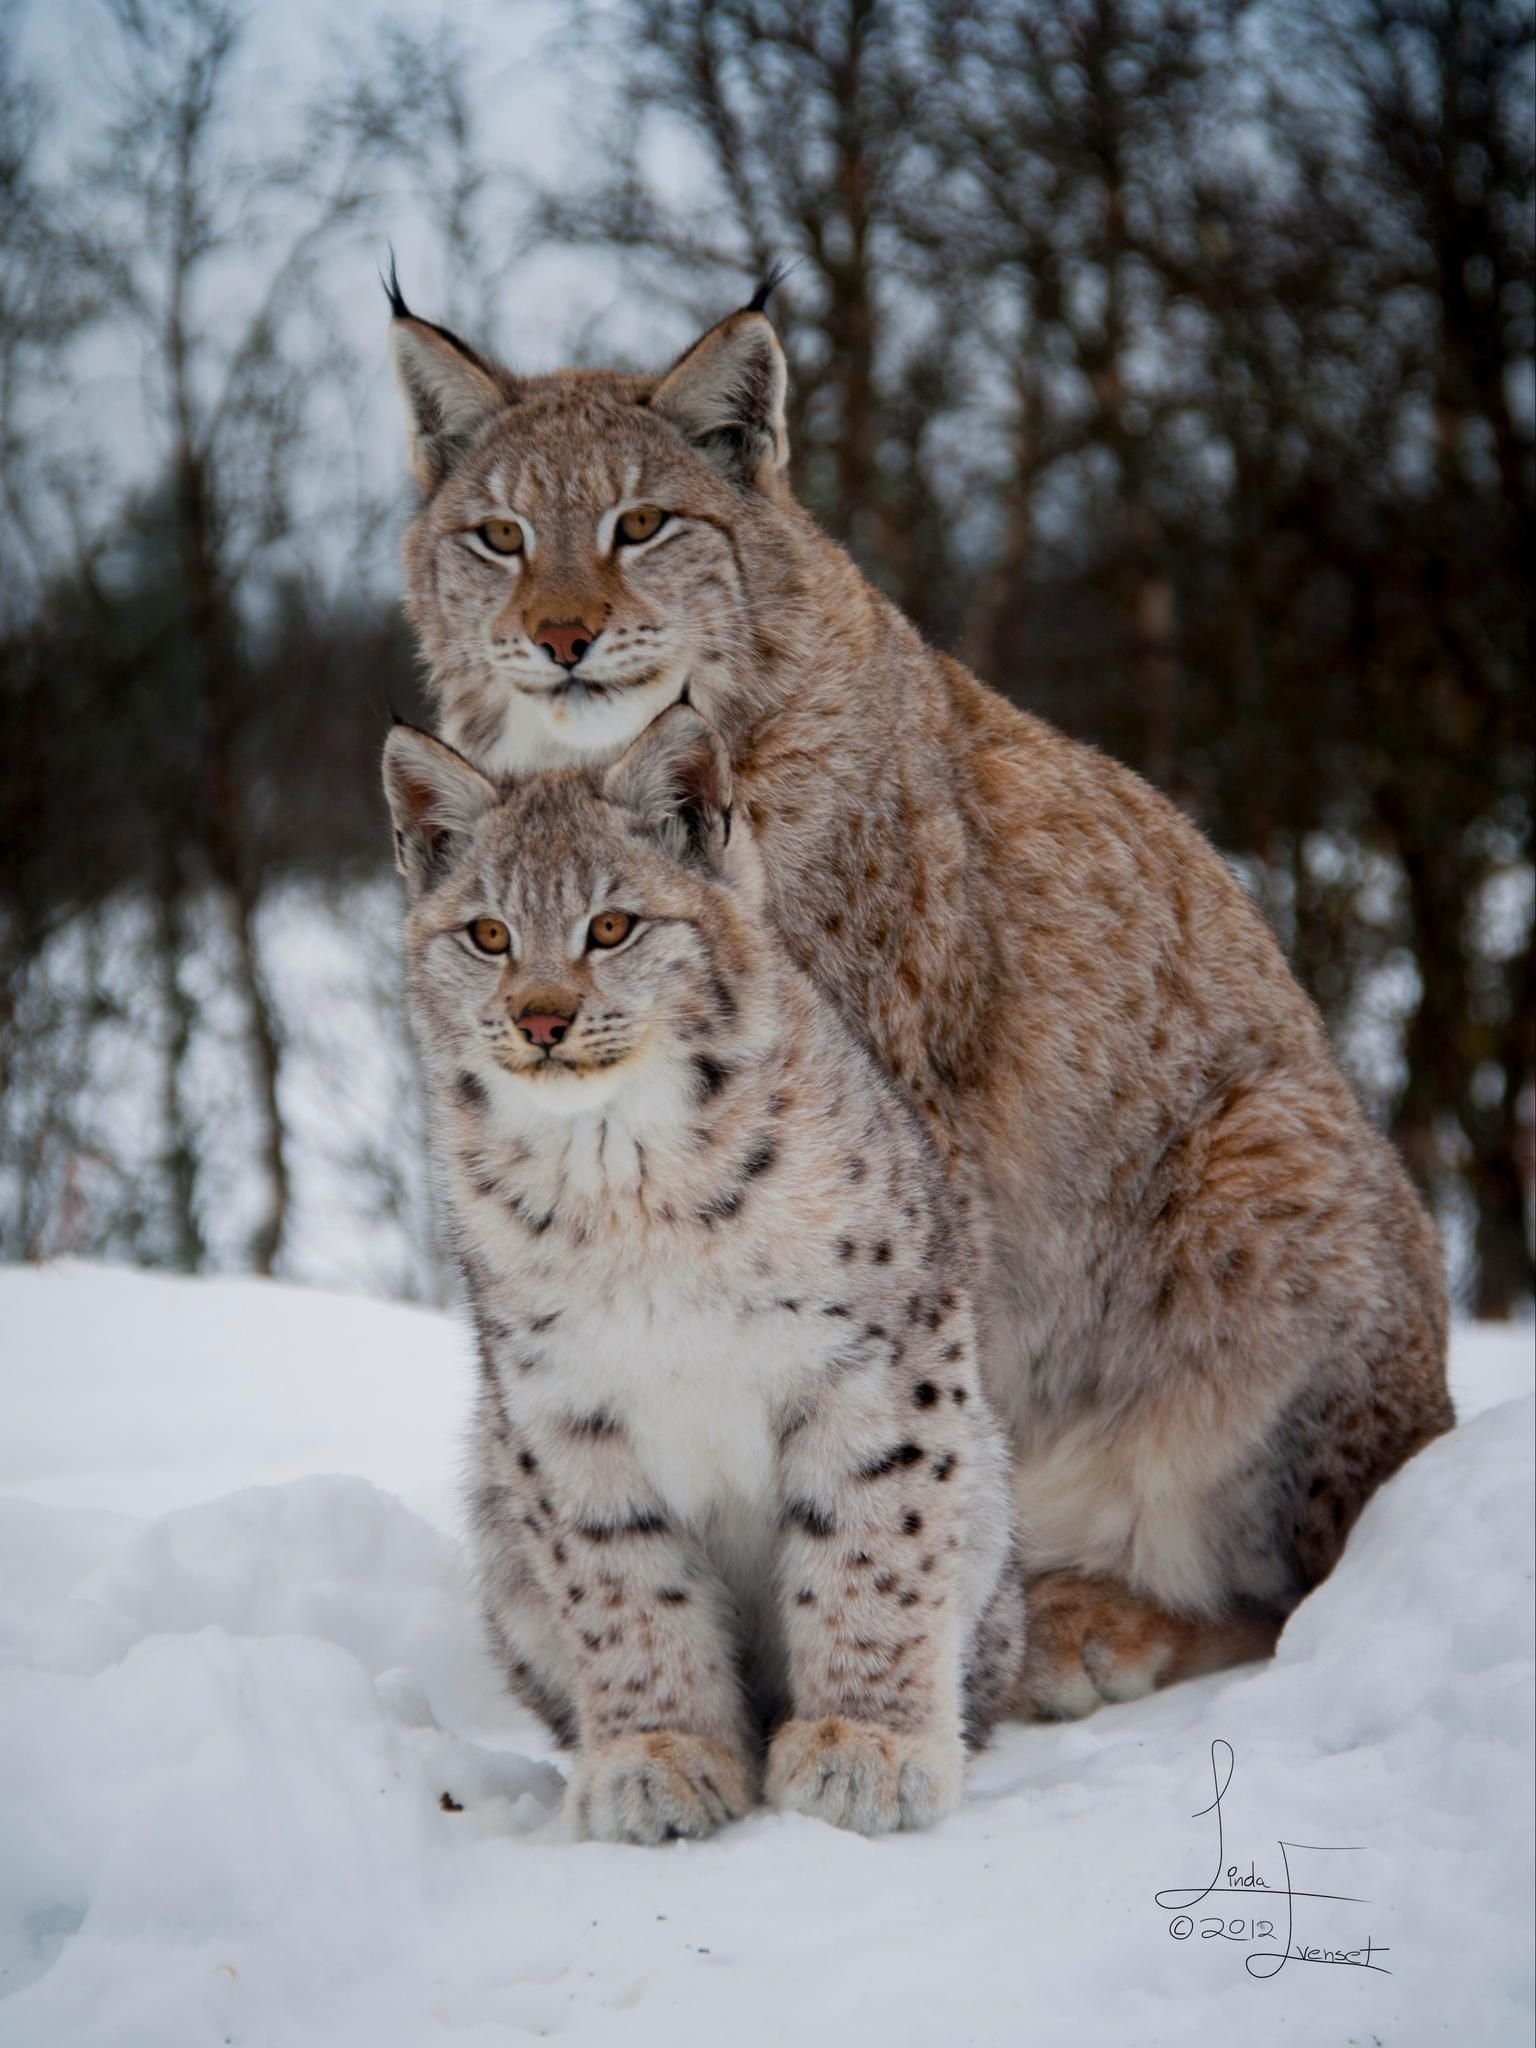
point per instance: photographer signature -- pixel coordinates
(1277, 1922)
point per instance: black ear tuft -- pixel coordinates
(778, 270)
(397, 306)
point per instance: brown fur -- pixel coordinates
(1213, 1310)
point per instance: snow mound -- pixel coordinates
(226, 1733)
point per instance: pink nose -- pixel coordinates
(543, 1029)
(563, 640)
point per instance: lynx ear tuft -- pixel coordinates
(726, 396)
(449, 391)
(435, 799)
(676, 782)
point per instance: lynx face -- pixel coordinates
(576, 935)
(574, 563)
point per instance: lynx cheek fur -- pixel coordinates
(735, 1474)
(1212, 1309)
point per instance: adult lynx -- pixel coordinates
(1212, 1309)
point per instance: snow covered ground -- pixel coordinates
(239, 1671)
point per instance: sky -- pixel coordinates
(540, 111)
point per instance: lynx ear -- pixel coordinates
(449, 391)
(727, 397)
(676, 781)
(435, 799)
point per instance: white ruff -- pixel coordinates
(555, 729)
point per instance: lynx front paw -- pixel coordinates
(859, 1775)
(1092, 1640)
(654, 1788)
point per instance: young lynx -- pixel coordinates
(735, 1475)
(1211, 1307)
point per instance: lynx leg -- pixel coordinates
(1093, 1640)
(892, 1499)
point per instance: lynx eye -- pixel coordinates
(502, 536)
(489, 935)
(610, 928)
(640, 523)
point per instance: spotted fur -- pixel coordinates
(735, 1472)
(1212, 1310)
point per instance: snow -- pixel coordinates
(239, 1668)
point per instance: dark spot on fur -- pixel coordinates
(1231, 1267)
(856, 1170)
(805, 1597)
(528, 1461)
(674, 1596)
(646, 1523)
(950, 1353)
(596, 1425)
(942, 1467)
(710, 1075)
(544, 1322)
(470, 1092)
(882, 1253)
(847, 1249)
(721, 1207)
(911, 1523)
(836, 1308)
(925, 1393)
(804, 1514)
(449, 1804)
(760, 1158)
(957, 1395)
(877, 1468)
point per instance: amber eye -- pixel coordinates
(502, 536)
(489, 934)
(640, 523)
(610, 928)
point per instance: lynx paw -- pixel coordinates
(1093, 1641)
(858, 1775)
(654, 1788)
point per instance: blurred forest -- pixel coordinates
(1170, 360)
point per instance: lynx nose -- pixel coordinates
(544, 1027)
(563, 640)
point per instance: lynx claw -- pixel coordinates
(858, 1775)
(658, 1787)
